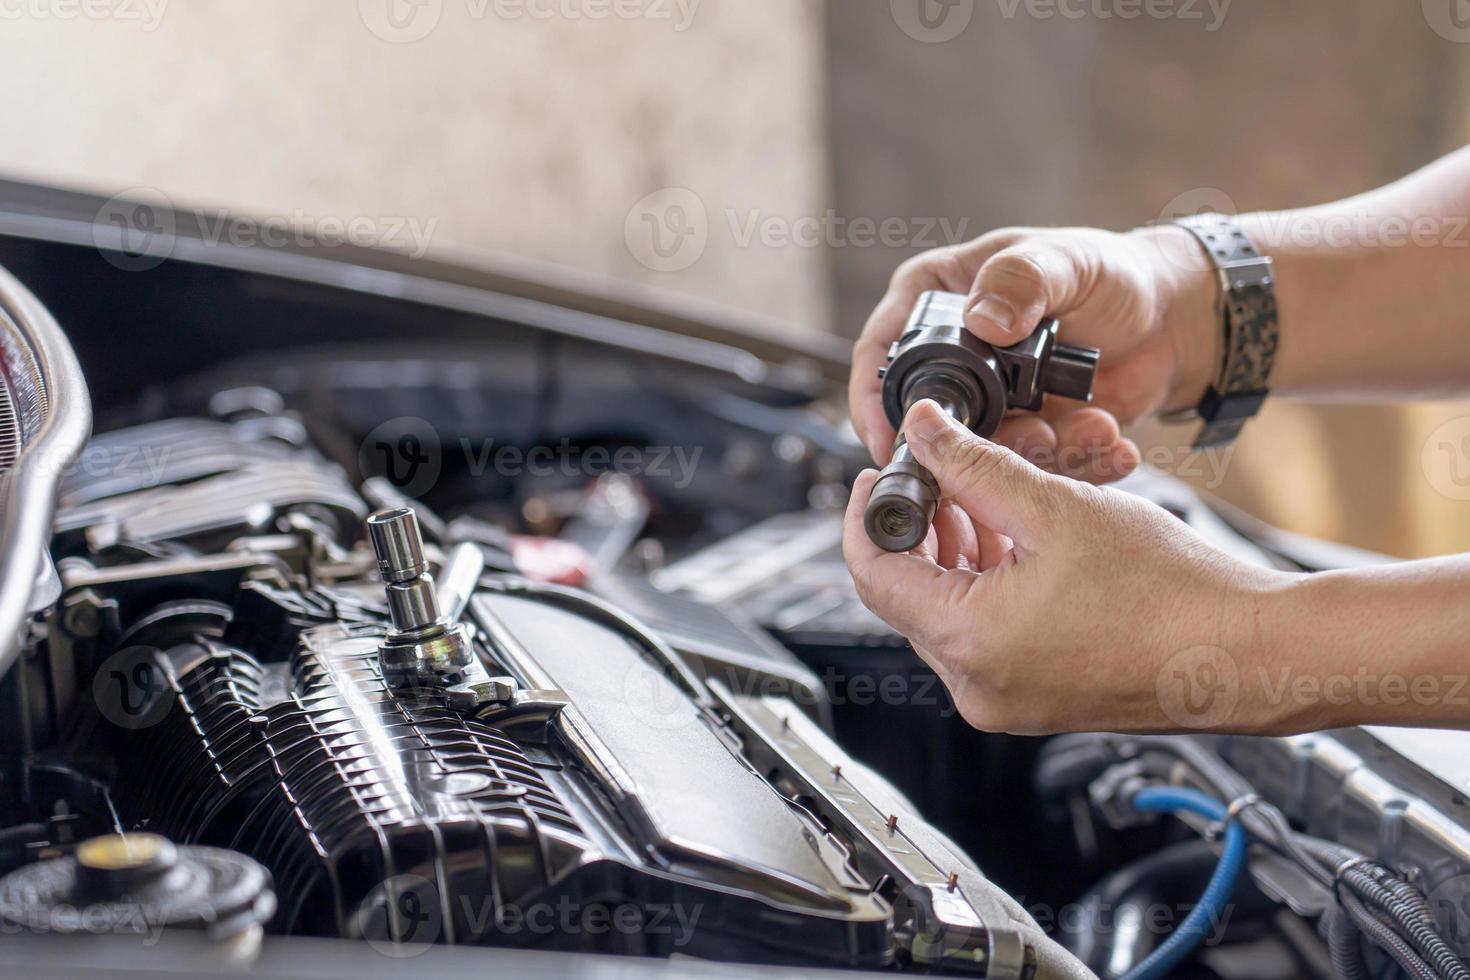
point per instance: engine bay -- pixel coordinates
(405, 610)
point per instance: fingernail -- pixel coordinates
(996, 310)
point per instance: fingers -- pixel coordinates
(1091, 447)
(1019, 285)
(957, 543)
(997, 488)
(908, 592)
(950, 269)
(1029, 436)
(1082, 443)
(995, 549)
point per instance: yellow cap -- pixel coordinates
(121, 852)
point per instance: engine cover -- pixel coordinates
(606, 789)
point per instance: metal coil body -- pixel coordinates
(976, 383)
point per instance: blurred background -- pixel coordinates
(780, 157)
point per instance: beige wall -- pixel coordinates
(479, 124)
(496, 128)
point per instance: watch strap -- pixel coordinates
(1249, 322)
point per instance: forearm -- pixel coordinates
(1374, 291)
(1383, 645)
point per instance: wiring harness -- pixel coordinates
(1128, 776)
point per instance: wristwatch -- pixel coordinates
(1248, 319)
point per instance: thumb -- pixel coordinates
(1017, 286)
(996, 487)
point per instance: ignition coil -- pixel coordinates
(976, 383)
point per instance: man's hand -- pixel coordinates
(1145, 298)
(1046, 604)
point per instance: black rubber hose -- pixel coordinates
(1093, 937)
(1411, 918)
(1067, 764)
(1344, 944)
(1389, 941)
(1181, 869)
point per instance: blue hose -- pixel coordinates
(1196, 926)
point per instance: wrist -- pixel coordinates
(1281, 682)
(1187, 308)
